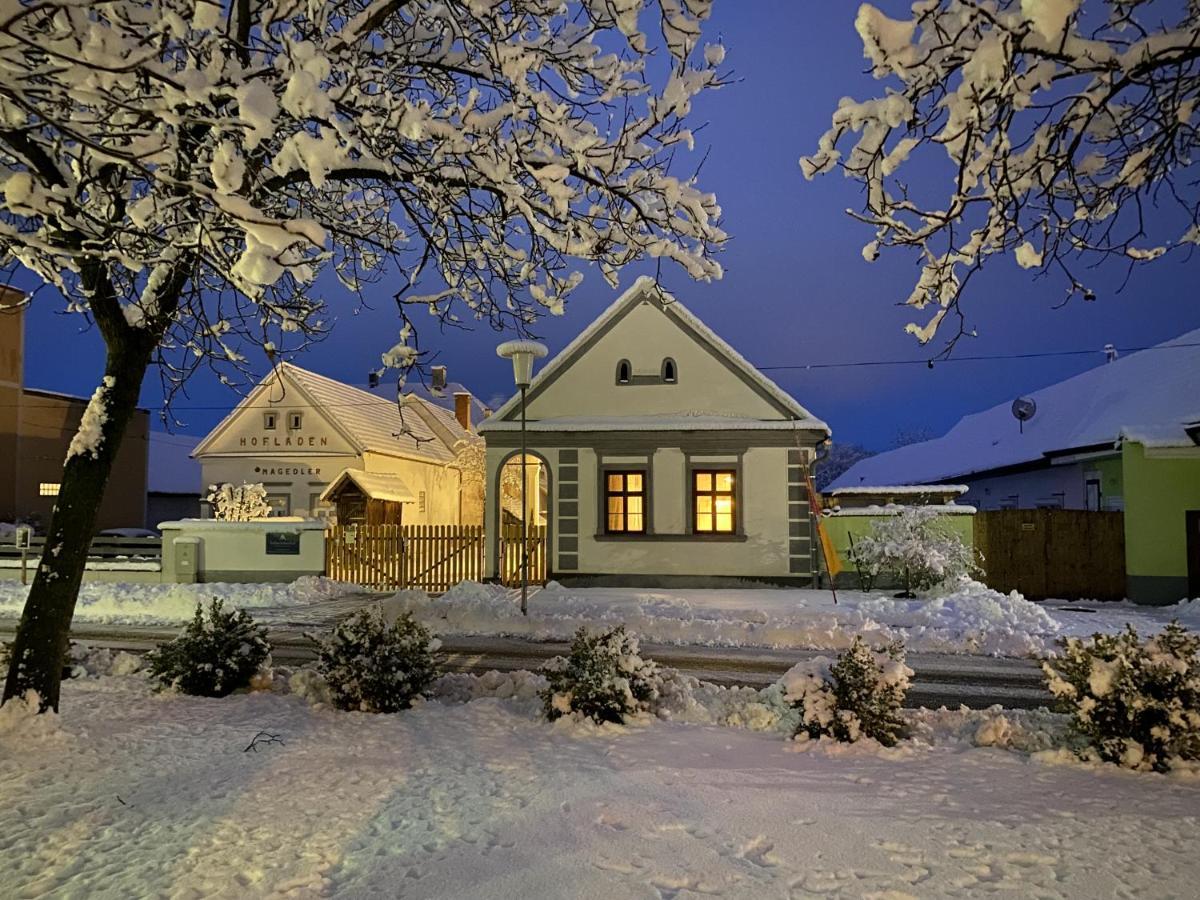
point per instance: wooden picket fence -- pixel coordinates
(430, 557)
(393, 557)
(510, 555)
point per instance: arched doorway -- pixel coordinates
(511, 515)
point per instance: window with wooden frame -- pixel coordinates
(625, 496)
(714, 501)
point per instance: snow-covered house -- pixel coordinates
(1123, 436)
(661, 452)
(300, 433)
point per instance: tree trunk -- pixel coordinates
(43, 633)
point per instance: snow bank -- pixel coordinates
(968, 619)
(159, 604)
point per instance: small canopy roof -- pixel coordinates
(375, 485)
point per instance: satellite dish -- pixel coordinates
(1023, 409)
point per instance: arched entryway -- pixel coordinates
(510, 514)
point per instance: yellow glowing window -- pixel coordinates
(625, 499)
(714, 501)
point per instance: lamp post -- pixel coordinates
(522, 354)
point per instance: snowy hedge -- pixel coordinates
(214, 656)
(372, 666)
(858, 696)
(1136, 703)
(914, 546)
(603, 678)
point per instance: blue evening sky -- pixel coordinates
(796, 289)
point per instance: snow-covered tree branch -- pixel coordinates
(182, 170)
(1059, 131)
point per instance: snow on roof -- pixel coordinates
(172, 469)
(944, 509)
(643, 284)
(1152, 391)
(375, 485)
(903, 489)
(373, 423)
(657, 423)
(444, 397)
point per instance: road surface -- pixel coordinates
(940, 679)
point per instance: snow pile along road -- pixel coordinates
(166, 604)
(131, 794)
(969, 619)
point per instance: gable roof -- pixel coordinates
(376, 485)
(444, 397)
(1153, 392)
(643, 288)
(369, 422)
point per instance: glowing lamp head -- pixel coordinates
(522, 354)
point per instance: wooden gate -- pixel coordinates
(1069, 554)
(393, 557)
(510, 555)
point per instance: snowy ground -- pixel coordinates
(131, 794)
(970, 619)
(168, 604)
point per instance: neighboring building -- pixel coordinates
(850, 498)
(174, 479)
(663, 454)
(298, 431)
(451, 396)
(1122, 436)
(36, 428)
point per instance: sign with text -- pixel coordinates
(283, 543)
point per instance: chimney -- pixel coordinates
(462, 409)
(437, 375)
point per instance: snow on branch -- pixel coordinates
(1059, 131)
(182, 171)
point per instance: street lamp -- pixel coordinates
(522, 354)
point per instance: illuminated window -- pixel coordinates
(625, 493)
(295, 420)
(714, 501)
(624, 372)
(49, 489)
(269, 421)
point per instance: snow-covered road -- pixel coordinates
(136, 795)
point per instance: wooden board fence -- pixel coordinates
(392, 557)
(1067, 554)
(510, 555)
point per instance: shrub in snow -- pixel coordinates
(214, 656)
(1136, 703)
(603, 678)
(857, 696)
(916, 547)
(372, 666)
(238, 504)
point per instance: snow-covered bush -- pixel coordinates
(238, 504)
(603, 678)
(214, 656)
(372, 666)
(916, 547)
(1136, 703)
(858, 696)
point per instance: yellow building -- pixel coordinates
(298, 433)
(36, 428)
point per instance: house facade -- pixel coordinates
(1121, 437)
(660, 455)
(297, 432)
(36, 428)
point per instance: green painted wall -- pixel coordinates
(1112, 481)
(1158, 491)
(841, 527)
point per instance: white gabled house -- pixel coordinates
(662, 455)
(304, 435)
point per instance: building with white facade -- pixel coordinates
(664, 455)
(297, 432)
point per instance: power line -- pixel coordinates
(869, 363)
